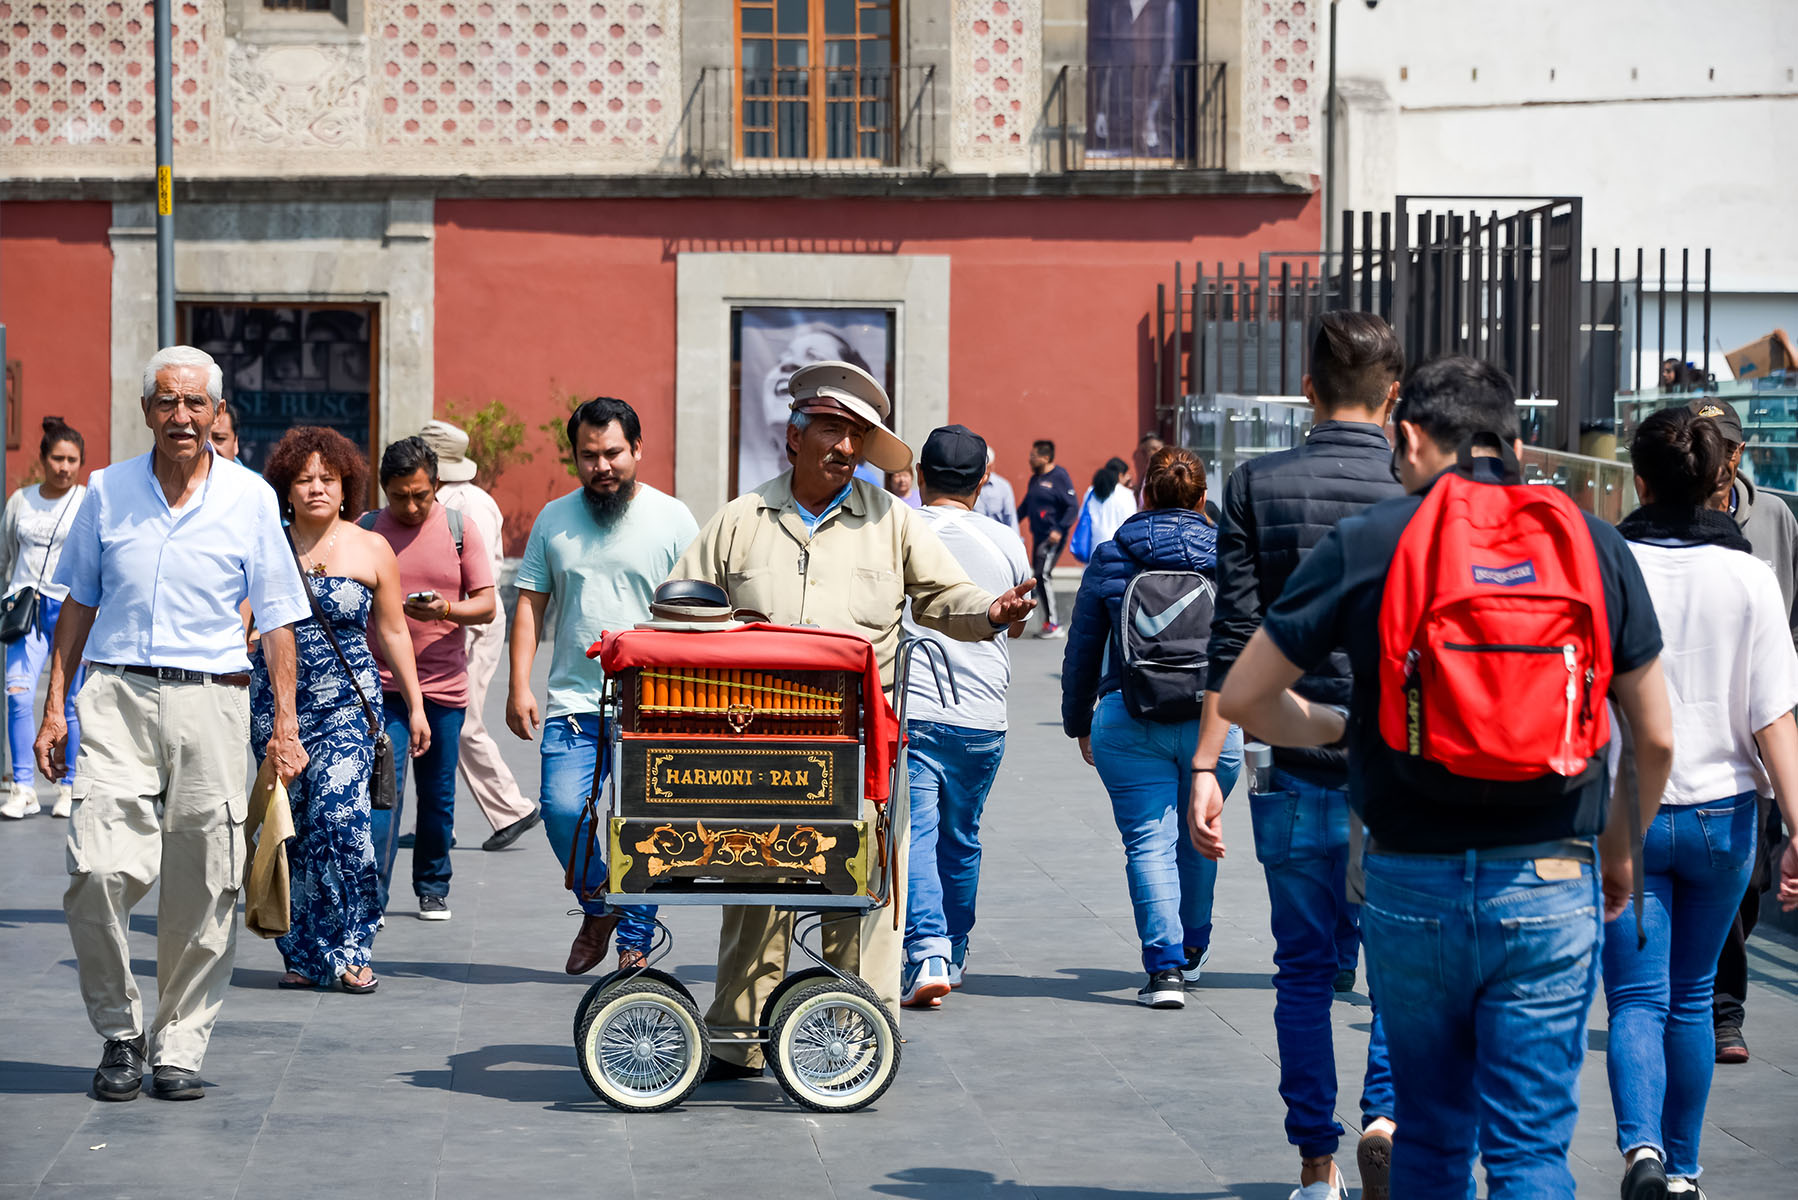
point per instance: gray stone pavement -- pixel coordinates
(1042, 1078)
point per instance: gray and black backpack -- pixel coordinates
(1163, 629)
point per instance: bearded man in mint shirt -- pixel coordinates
(600, 551)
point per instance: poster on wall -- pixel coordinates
(775, 342)
(1141, 78)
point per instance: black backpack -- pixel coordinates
(1163, 628)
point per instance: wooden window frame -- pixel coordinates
(817, 96)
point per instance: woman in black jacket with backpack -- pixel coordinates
(1128, 706)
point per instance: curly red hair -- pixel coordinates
(295, 450)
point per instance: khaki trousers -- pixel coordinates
(160, 792)
(754, 943)
(486, 774)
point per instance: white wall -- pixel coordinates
(1674, 120)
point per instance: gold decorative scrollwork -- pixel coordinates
(669, 848)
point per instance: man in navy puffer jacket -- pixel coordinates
(1146, 765)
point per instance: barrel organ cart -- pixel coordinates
(751, 765)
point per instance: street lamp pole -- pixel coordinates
(1329, 171)
(165, 183)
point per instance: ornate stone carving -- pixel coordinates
(1281, 90)
(297, 95)
(998, 79)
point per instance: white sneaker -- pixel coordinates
(20, 802)
(957, 970)
(1680, 1186)
(1326, 1190)
(65, 801)
(924, 983)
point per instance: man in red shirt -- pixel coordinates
(447, 586)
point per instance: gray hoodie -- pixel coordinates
(1772, 533)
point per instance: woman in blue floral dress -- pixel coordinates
(353, 576)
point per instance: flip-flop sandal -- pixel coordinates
(358, 989)
(295, 982)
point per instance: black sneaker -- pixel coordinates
(121, 1072)
(1196, 958)
(1645, 1180)
(1345, 981)
(1165, 989)
(1731, 1046)
(433, 908)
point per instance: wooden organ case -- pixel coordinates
(738, 780)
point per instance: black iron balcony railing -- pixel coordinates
(1130, 117)
(811, 120)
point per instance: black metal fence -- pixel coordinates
(1512, 288)
(812, 120)
(1135, 118)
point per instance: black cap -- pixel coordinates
(1724, 414)
(953, 461)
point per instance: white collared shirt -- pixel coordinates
(167, 584)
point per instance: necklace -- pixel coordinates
(317, 566)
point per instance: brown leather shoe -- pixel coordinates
(591, 942)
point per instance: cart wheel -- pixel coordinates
(833, 1046)
(642, 1046)
(611, 979)
(783, 991)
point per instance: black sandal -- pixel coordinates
(358, 989)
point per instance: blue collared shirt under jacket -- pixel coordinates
(167, 584)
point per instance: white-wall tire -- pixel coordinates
(642, 1046)
(834, 1047)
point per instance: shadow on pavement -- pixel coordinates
(12, 918)
(510, 1072)
(1092, 985)
(945, 1183)
(42, 1079)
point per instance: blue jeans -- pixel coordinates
(1146, 766)
(952, 770)
(1662, 1046)
(436, 798)
(25, 660)
(1488, 970)
(575, 748)
(1302, 841)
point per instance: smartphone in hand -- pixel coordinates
(421, 597)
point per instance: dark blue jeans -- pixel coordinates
(952, 770)
(1302, 841)
(1485, 971)
(1696, 864)
(436, 773)
(575, 748)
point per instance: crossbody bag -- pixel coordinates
(382, 782)
(18, 612)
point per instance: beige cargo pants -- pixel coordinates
(160, 792)
(754, 943)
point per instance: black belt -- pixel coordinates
(180, 675)
(1575, 848)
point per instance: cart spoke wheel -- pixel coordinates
(642, 1046)
(834, 1047)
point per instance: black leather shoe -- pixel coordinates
(176, 1083)
(121, 1072)
(508, 834)
(722, 1070)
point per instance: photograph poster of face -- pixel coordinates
(775, 343)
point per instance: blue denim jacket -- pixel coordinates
(1163, 539)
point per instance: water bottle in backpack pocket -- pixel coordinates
(1163, 629)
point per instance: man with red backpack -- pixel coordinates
(1485, 623)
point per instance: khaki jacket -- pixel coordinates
(853, 573)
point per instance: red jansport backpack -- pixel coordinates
(1495, 649)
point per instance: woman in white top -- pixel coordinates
(36, 521)
(1733, 679)
(1108, 503)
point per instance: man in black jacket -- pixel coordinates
(1049, 507)
(1276, 509)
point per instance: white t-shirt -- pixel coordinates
(33, 530)
(993, 556)
(1731, 670)
(1109, 513)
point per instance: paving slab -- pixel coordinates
(1040, 1079)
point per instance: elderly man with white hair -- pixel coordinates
(162, 554)
(996, 499)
